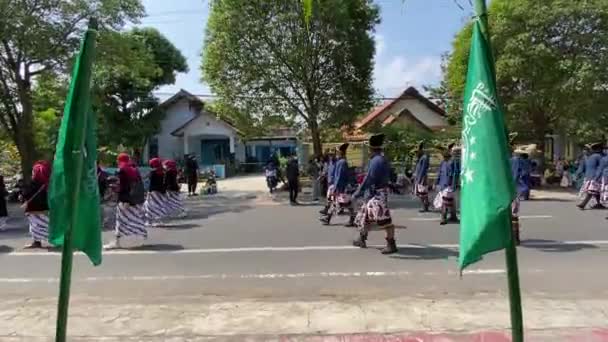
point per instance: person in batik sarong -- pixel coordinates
(517, 171)
(155, 205)
(592, 183)
(340, 198)
(36, 204)
(174, 203)
(374, 214)
(421, 188)
(329, 173)
(448, 183)
(602, 175)
(130, 214)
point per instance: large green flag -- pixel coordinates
(73, 192)
(487, 184)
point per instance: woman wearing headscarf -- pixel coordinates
(36, 204)
(155, 201)
(174, 204)
(130, 214)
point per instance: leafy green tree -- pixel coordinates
(551, 66)
(42, 36)
(130, 67)
(261, 57)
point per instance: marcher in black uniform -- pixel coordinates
(293, 179)
(191, 171)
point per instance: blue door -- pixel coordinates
(215, 151)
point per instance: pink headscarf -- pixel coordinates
(127, 166)
(41, 172)
(170, 165)
(156, 164)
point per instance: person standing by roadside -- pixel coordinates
(36, 203)
(191, 170)
(313, 172)
(293, 179)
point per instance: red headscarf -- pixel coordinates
(41, 172)
(156, 164)
(126, 165)
(170, 165)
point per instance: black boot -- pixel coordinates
(360, 242)
(391, 247)
(444, 217)
(325, 219)
(583, 204)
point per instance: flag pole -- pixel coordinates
(517, 327)
(67, 254)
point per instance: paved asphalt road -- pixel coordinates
(248, 247)
(264, 249)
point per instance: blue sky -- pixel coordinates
(409, 41)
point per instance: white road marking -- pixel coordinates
(262, 276)
(293, 249)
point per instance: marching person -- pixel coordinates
(517, 171)
(374, 213)
(293, 179)
(330, 173)
(421, 188)
(191, 171)
(155, 201)
(130, 213)
(36, 203)
(591, 185)
(313, 172)
(447, 183)
(340, 198)
(175, 205)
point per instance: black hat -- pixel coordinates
(376, 141)
(421, 144)
(342, 148)
(597, 146)
(512, 137)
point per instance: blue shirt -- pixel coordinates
(378, 174)
(602, 171)
(341, 175)
(518, 170)
(330, 172)
(422, 168)
(589, 167)
(443, 178)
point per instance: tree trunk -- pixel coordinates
(316, 138)
(25, 133)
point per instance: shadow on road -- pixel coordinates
(555, 246)
(157, 247)
(6, 249)
(550, 200)
(424, 253)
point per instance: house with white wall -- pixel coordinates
(188, 128)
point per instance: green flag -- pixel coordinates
(73, 192)
(487, 184)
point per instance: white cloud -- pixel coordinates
(393, 74)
